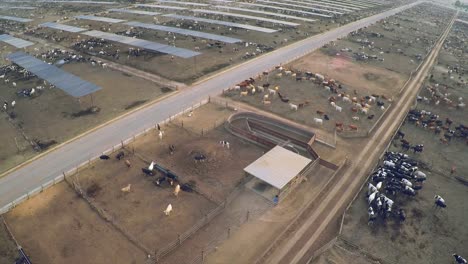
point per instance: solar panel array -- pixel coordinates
(184, 32)
(61, 79)
(281, 9)
(266, 13)
(183, 3)
(130, 11)
(162, 6)
(17, 42)
(62, 27)
(144, 44)
(223, 23)
(17, 19)
(102, 19)
(302, 6)
(245, 16)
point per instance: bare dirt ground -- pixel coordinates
(264, 229)
(397, 41)
(8, 251)
(52, 116)
(222, 170)
(363, 78)
(59, 227)
(141, 210)
(15, 148)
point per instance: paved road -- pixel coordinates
(48, 167)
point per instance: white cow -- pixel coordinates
(318, 121)
(168, 210)
(177, 190)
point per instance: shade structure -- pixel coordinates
(17, 19)
(63, 27)
(17, 42)
(61, 79)
(100, 19)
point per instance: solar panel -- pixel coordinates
(62, 27)
(145, 44)
(278, 8)
(17, 19)
(162, 7)
(185, 32)
(266, 13)
(17, 42)
(329, 6)
(102, 19)
(245, 16)
(182, 3)
(223, 23)
(129, 11)
(61, 79)
(301, 6)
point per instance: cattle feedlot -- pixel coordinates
(272, 131)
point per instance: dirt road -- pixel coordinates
(296, 248)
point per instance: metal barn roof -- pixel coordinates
(17, 42)
(101, 19)
(162, 6)
(145, 44)
(184, 32)
(63, 80)
(278, 167)
(17, 19)
(246, 16)
(223, 23)
(130, 11)
(62, 27)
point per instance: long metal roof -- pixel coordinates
(265, 13)
(18, 7)
(278, 167)
(182, 3)
(98, 18)
(162, 6)
(281, 9)
(79, 2)
(17, 19)
(144, 44)
(301, 6)
(321, 3)
(61, 79)
(329, 6)
(223, 23)
(130, 11)
(63, 27)
(17, 42)
(245, 16)
(184, 32)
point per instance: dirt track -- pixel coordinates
(297, 249)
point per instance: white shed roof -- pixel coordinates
(278, 166)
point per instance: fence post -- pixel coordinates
(203, 256)
(121, 143)
(209, 99)
(182, 123)
(229, 232)
(202, 132)
(247, 216)
(178, 239)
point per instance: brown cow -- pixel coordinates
(353, 127)
(320, 112)
(339, 124)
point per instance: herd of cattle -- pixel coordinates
(398, 174)
(432, 122)
(338, 98)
